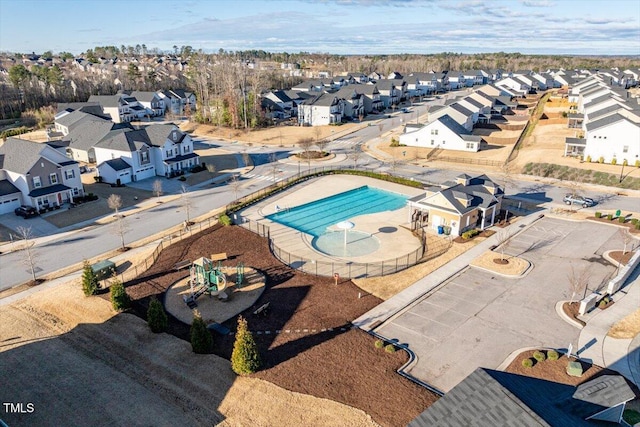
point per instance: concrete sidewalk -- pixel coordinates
(621, 355)
(416, 292)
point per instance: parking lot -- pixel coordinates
(477, 318)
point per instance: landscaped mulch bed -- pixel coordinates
(338, 363)
(628, 224)
(623, 259)
(555, 370)
(571, 310)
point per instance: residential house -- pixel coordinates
(357, 77)
(45, 177)
(353, 101)
(324, 109)
(121, 107)
(443, 133)
(152, 101)
(514, 85)
(375, 76)
(80, 141)
(456, 80)
(371, 98)
(127, 155)
(282, 100)
(390, 92)
(312, 86)
(458, 113)
(486, 398)
(545, 81)
(472, 202)
(613, 138)
(178, 101)
(476, 77)
(481, 111)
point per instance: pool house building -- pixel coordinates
(471, 202)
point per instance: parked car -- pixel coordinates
(405, 110)
(26, 211)
(573, 199)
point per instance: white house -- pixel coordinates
(45, 178)
(458, 113)
(324, 109)
(457, 80)
(171, 150)
(353, 101)
(613, 137)
(444, 133)
(152, 101)
(121, 107)
(514, 85)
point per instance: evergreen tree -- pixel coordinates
(119, 298)
(245, 358)
(201, 339)
(156, 316)
(89, 280)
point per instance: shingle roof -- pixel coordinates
(6, 187)
(477, 193)
(124, 140)
(19, 155)
(459, 108)
(158, 134)
(488, 398)
(606, 121)
(107, 101)
(118, 164)
(87, 134)
(43, 191)
(143, 96)
(324, 99)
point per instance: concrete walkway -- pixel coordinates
(621, 355)
(414, 293)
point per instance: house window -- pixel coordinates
(470, 145)
(625, 149)
(433, 141)
(69, 174)
(75, 191)
(434, 131)
(144, 157)
(36, 182)
(53, 178)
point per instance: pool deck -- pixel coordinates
(391, 228)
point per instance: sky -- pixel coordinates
(605, 27)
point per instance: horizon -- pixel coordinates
(334, 27)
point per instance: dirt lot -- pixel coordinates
(81, 365)
(314, 354)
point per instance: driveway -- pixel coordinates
(477, 318)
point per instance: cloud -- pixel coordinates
(88, 30)
(605, 21)
(537, 3)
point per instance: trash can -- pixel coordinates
(440, 229)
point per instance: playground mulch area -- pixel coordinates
(305, 339)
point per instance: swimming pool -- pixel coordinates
(314, 217)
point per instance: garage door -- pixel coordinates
(9, 203)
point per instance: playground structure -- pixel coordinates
(205, 276)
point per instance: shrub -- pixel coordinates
(89, 279)
(634, 221)
(244, 358)
(182, 178)
(637, 163)
(539, 356)
(610, 217)
(201, 339)
(225, 220)
(156, 316)
(378, 344)
(469, 234)
(614, 161)
(601, 159)
(598, 214)
(390, 348)
(621, 219)
(119, 298)
(625, 162)
(394, 142)
(588, 159)
(552, 355)
(602, 304)
(638, 226)
(527, 363)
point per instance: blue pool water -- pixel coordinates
(314, 217)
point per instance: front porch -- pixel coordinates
(180, 164)
(574, 147)
(50, 198)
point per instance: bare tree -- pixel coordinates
(235, 184)
(121, 228)
(578, 281)
(115, 202)
(30, 256)
(157, 187)
(322, 145)
(186, 202)
(503, 238)
(318, 133)
(574, 187)
(306, 144)
(246, 158)
(507, 172)
(626, 238)
(355, 156)
(211, 168)
(381, 127)
(273, 161)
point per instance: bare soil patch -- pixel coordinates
(315, 352)
(509, 266)
(621, 257)
(626, 328)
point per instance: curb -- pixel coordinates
(560, 312)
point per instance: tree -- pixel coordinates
(235, 185)
(322, 145)
(245, 358)
(626, 238)
(19, 75)
(120, 300)
(355, 156)
(30, 256)
(306, 144)
(157, 317)
(186, 202)
(502, 238)
(157, 187)
(507, 176)
(114, 202)
(121, 228)
(275, 166)
(133, 72)
(317, 132)
(380, 127)
(89, 279)
(201, 339)
(578, 281)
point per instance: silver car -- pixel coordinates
(573, 199)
